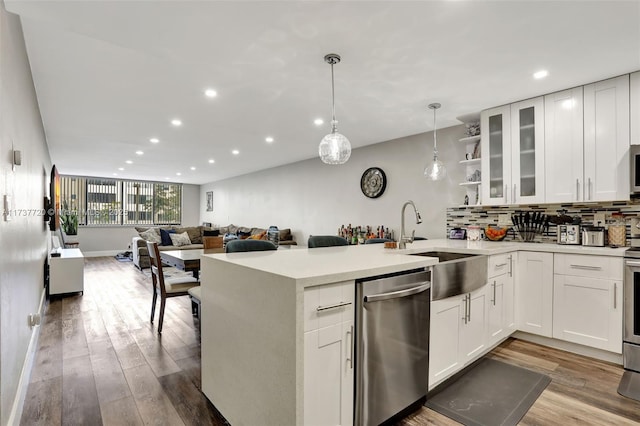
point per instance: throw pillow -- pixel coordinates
(211, 233)
(285, 234)
(243, 234)
(165, 236)
(260, 236)
(180, 239)
(151, 235)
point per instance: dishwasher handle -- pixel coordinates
(423, 286)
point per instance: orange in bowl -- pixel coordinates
(495, 233)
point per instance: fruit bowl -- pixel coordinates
(495, 233)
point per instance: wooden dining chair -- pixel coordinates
(170, 287)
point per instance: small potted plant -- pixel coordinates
(68, 220)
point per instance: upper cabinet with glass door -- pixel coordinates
(527, 157)
(496, 159)
(514, 159)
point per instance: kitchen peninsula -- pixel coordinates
(255, 313)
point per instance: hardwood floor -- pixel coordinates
(100, 361)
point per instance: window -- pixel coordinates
(103, 202)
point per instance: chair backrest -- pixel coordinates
(212, 242)
(235, 246)
(377, 240)
(156, 267)
(316, 241)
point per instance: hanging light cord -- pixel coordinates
(333, 102)
(435, 136)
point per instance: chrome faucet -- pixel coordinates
(404, 239)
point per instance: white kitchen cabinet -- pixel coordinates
(606, 140)
(513, 153)
(66, 272)
(500, 293)
(458, 334)
(587, 302)
(328, 354)
(527, 151)
(634, 107)
(496, 155)
(564, 146)
(534, 293)
(328, 375)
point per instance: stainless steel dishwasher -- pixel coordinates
(392, 353)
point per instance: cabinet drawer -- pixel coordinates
(588, 266)
(500, 264)
(329, 304)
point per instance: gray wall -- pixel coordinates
(23, 240)
(313, 198)
(103, 241)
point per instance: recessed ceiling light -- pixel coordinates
(235, 152)
(166, 178)
(115, 174)
(318, 121)
(269, 139)
(176, 122)
(139, 152)
(540, 74)
(154, 140)
(192, 168)
(210, 93)
(178, 174)
(129, 162)
(211, 161)
(121, 168)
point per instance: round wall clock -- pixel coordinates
(373, 182)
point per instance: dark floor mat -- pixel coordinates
(490, 393)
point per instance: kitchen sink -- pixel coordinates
(457, 273)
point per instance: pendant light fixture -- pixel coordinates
(436, 170)
(335, 147)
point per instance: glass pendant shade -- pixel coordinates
(435, 170)
(335, 147)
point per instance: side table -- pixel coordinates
(66, 272)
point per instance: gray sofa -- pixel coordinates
(141, 253)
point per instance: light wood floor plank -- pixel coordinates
(100, 361)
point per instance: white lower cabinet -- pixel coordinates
(534, 293)
(458, 333)
(328, 375)
(328, 354)
(587, 304)
(500, 293)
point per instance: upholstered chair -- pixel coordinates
(316, 241)
(377, 240)
(235, 246)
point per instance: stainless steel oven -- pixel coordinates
(634, 156)
(630, 383)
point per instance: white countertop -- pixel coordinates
(498, 247)
(310, 267)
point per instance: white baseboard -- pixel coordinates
(570, 347)
(100, 253)
(25, 375)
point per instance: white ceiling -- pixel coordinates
(109, 75)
